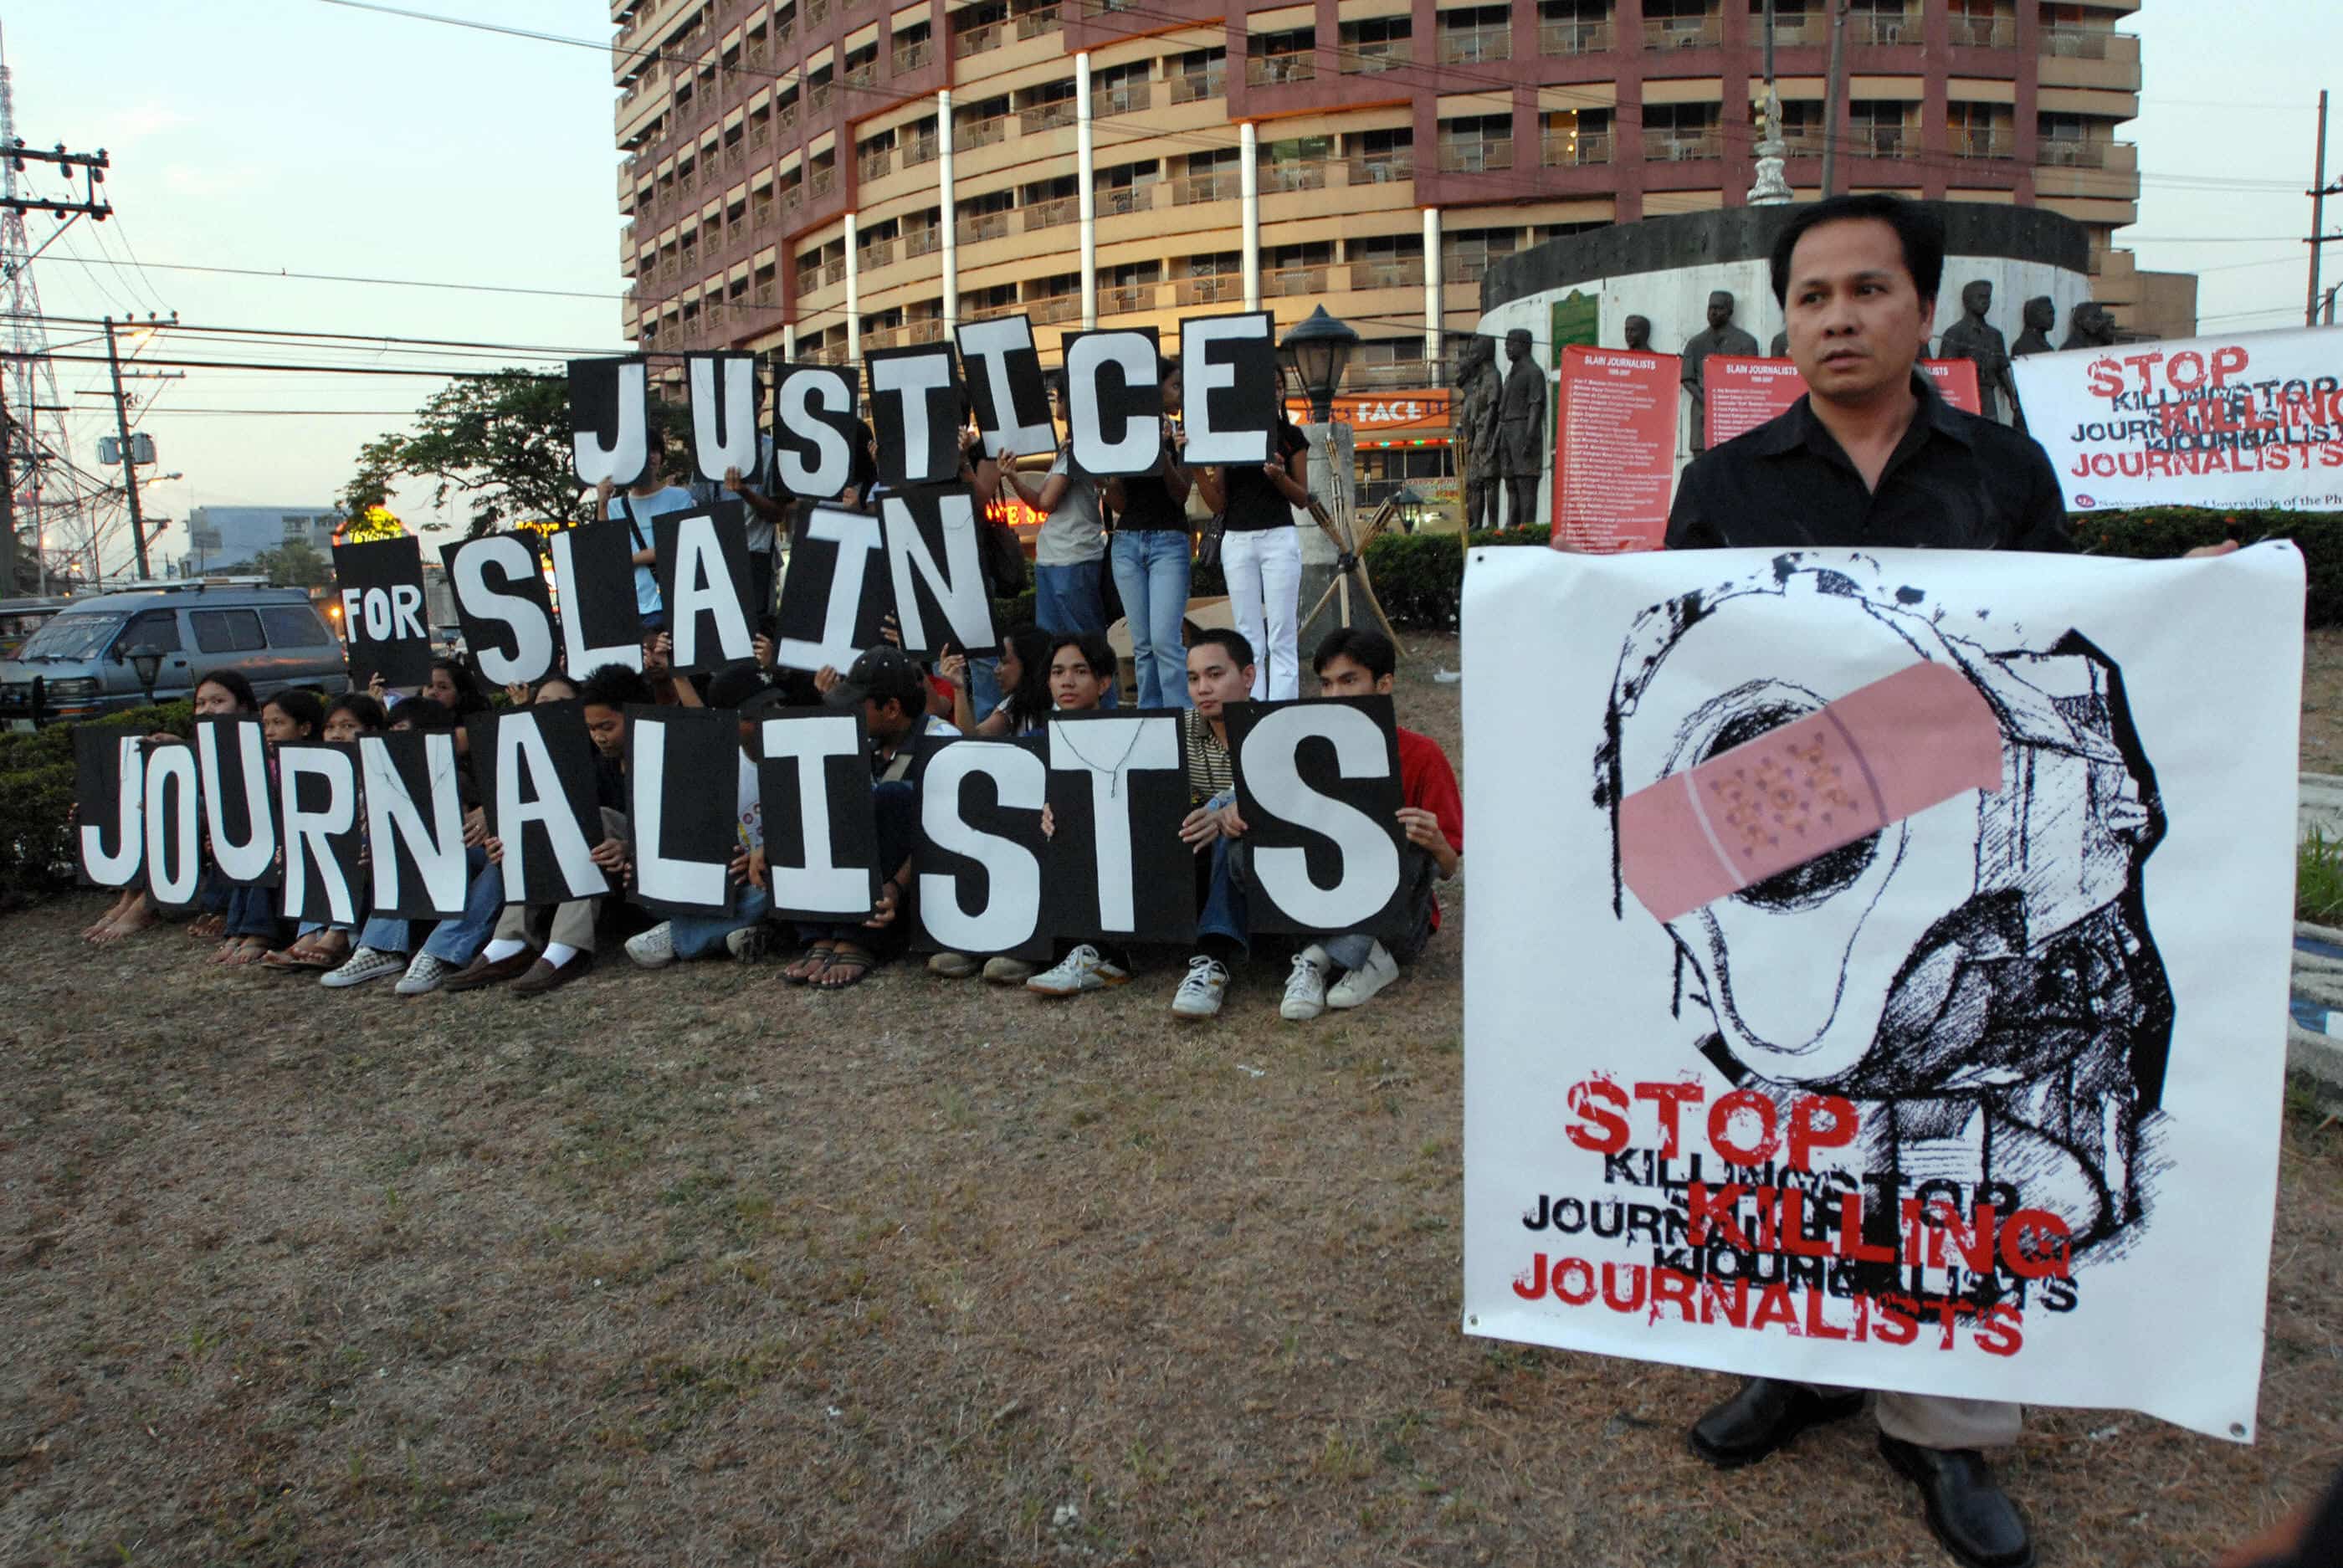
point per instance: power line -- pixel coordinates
(336, 277)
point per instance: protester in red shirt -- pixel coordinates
(1344, 969)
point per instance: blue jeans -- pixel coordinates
(251, 912)
(983, 685)
(1151, 573)
(697, 935)
(1227, 912)
(1067, 599)
(454, 942)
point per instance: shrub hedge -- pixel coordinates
(36, 792)
(1419, 576)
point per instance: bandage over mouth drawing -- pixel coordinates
(1875, 756)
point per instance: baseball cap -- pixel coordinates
(882, 673)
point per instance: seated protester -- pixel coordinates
(320, 945)
(222, 692)
(540, 948)
(1081, 668)
(384, 940)
(892, 692)
(254, 929)
(743, 689)
(1215, 660)
(1352, 662)
(1024, 674)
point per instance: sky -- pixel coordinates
(305, 136)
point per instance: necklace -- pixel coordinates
(1066, 735)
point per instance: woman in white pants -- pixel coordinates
(1261, 556)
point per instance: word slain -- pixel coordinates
(378, 828)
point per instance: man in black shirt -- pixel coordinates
(1872, 458)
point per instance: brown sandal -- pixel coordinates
(848, 967)
(809, 966)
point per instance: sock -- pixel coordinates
(503, 947)
(559, 953)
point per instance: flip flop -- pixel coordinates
(808, 966)
(851, 964)
(244, 952)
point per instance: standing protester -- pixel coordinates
(1261, 554)
(1873, 458)
(648, 498)
(1152, 555)
(1070, 547)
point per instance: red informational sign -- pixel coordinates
(1740, 395)
(1615, 456)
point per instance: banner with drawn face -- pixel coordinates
(1921, 938)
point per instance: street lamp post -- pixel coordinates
(1319, 350)
(146, 662)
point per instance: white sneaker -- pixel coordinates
(1080, 970)
(749, 943)
(1305, 987)
(1354, 988)
(363, 964)
(1198, 995)
(655, 949)
(425, 975)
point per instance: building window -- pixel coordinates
(1476, 145)
(1274, 59)
(1674, 132)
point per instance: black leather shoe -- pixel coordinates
(1973, 1517)
(1763, 1416)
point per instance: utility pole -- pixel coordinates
(1834, 95)
(8, 505)
(2318, 193)
(129, 470)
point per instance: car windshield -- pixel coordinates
(71, 636)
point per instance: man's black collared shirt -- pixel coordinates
(1955, 482)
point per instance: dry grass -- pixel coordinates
(2322, 701)
(690, 1268)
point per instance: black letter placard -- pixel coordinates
(318, 801)
(1114, 407)
(1005, 387)
(834, 596)
(110, 787)
(610, 420)
(1318, 786)
(501, 603)
(1118, 793)
(703, 579)
(683, 772)
(723, 390)
(821, 835)
(937, 569)
(381, 586)
(814, 430)
(915, 414)
(594, 572)
(175, 834)
(1228, 373)
(536, 772)
(239, 802)
(415, 824)
(979, 860)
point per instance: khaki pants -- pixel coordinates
(1938, 1420)
(570, 922)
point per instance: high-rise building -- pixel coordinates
(831, 176)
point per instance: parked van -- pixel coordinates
(21, 618)
(78, 665)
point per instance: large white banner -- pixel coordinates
(2251, 420)
(1884, 980)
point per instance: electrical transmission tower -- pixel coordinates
(50, 504)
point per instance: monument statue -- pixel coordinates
(1520, 430)
(2091, 327)
(1722, 338)
(2040, 316)
(1639, 334)
(1477, 389)
(1972, 338)
(1781, 348)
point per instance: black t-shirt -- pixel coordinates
(1255, 503)
(1954, 482)
(1147, 504)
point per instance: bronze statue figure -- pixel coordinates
(1973, 338)
(1520, 430)
(1722, 338)
(1477, 388)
